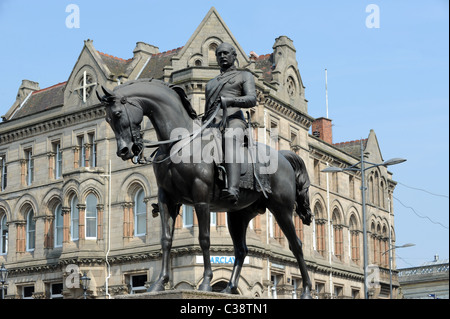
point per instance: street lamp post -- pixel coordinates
(85, 284)
(362, 169)
(390, 263)
(3, 278)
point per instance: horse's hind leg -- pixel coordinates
(237, 226)
(284, 219)
(168, 213)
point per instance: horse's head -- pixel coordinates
(124, 115)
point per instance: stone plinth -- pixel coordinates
(181, 294)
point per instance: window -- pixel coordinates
(320, 229)
(212, 54)
(320, 289)
(91, 217)
(317, 171)
(58, 226)
(298, 223)
(58, 160)
(213, 219)
(81, 151)
(3, 172)
(188, 216)
(354, 240)
(92, 150)
(351, 187)
(74, 218)
(4, 235)
(274, 137)
(56, 291)
(295, 286)
(140, 214)
(137, 284)
(337, 235)
(338, 291)
(276, 279)
(31, 231)
(27, 292)
(355, 293)
(29, 166)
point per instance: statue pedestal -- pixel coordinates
(181, 294)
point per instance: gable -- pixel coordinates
(200, 48)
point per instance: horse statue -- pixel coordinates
(197, 183)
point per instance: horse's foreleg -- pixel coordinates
(203, 217)
(168, 214)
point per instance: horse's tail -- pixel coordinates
(302, 184)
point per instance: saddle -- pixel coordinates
(255, 161)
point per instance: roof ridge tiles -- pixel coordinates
(50, 87)
(114, 57)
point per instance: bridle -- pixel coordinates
(138, 140)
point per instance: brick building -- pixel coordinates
(68, 203)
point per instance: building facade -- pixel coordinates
(69, 205)
(427, 281)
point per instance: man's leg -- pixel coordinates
(234, 140)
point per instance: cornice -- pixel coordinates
(272, 103)
(20, 132)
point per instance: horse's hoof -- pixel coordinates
(230, 291)
(156, 287)
(205, 287)
(306, 296)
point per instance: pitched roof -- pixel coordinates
(116, 65)
(352, 147)
(42, 100)
(155, 67)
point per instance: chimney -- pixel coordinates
(26, 88)
(321, 128)
(143, 48)
(436, 258)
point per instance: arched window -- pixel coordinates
(371, 190)
(74, 218)
(320, 229)
(382, 195)
(212, 54)
(140, 214)
(354, 240)
(3, 235)
(31, 230)
(385, 248)
(58, 226)
(91, 217)
(337, 234)
(377, 189)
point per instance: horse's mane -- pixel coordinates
(175, 88)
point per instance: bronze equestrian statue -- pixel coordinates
(198, 184)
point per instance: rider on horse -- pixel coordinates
(233, 89)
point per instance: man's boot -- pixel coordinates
(231, 193)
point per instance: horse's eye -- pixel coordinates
(118, 114)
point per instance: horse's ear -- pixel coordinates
(100, 98)
(107, 92)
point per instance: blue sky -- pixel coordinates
(393, 79)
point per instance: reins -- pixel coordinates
(143, 143)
